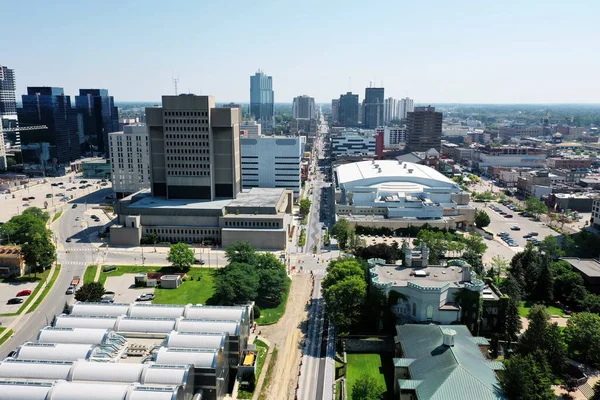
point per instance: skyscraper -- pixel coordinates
(424, 126)
(348, 110)
(49, 106)
(390, 110)
(373, 107)
(99, 117)
(262, 98)
(304, 107)
(8, 98)
(194, 148)
(335, 110)
(405, 105)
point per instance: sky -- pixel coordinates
(525, 51)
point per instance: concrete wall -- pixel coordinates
(122, 236)
(359, 345)
(260, 239)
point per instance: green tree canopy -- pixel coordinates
(241, 252)
(367, 388)
(181, 256)
(535, 206)
(38, 213)
(482, 219)
(237, 283)
(582, 336)
(273, 278)
(344, 300)
(305, 206)
(340, 231)
(39, 252)
(21, 228)
(90, 292)
(527, 378)
(551, 246)
(474, 243)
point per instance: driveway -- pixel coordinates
(123, 286)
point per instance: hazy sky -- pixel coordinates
(525, 51)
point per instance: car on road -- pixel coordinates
(54, 184)
(515, 228)
(107, 298)
(502, 234)
(70, 290)
(533, 233)
(93, 216)
(26, 205)
(25, 292)
(526, 236)
(199, 261)
(82, 187)
(513, 244)
(68, 240)
(109, 292)
(31, 198)
(145, 297)
(508, 216)
(25, 198)
(15, 300)
(74, 206)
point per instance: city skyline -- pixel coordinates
(447, 53)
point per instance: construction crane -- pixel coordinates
(25, 128)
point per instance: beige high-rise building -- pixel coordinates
(129, 160)
(194, 148)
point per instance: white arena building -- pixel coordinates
(397, 194)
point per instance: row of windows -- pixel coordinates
(253, 224)
(186, 121)
(177, 143)
(186, 128)
(188, 166)
(187, 173)
(186, 158)
(177, 136)
(187, 151)
(186, 113)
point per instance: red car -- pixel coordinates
(25, 292)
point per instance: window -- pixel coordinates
(414, 310)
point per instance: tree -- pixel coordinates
(305, 206)
(90, 292)
(474, 260)
(437, 242)
(39, 253)
(525, 378)
(551, 247)
(482, 219)
(381, 250)
(180, 256)
(473, 242)
(241, 252)
(500, 265)
(596, 395)
(569, 289)
(512, 322)
(21, 228)
(512, 289)
(237, 283)
(340, 231)
(582, 336)
(367, 388)
(535, 207)
(338, 270)
(544, 290)
(37, 213)
(273, 278)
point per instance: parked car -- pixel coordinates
(25, 198)
(74, 206)
(25, 292)
(145, 297)
(199, 261)
(502, 234)
(513, 244)
(515, 228)
(31, 198)
(15, 300)
(109, 292)
(26, 205)
(94, 216)
(508, 216)
(533, 233)
(70, 290)
(107, 298)
(68, 240)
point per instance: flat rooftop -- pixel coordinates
(587, 266)
(258, 197)
(428, 276)
(163, 202)
(392, 169)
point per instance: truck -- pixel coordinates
(75, 281)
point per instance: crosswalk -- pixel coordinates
(92, 249)
(75, 263)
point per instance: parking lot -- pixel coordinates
(123, 286)
(10, 290)
(71, 188)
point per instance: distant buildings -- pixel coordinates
(335, 110)
(390, 110)
(373, 107)
(352, 143)
(393, 136)
(45, 150)
(99, 117)
(304, 107)
(348, 110)
(272, 162)
(238, 106)
(8, 104)
(12, 263)
(262, 98)
(424, 126)
(130, 160)
(405, 106)
(569, 162)
(253, 128)
(509, 156)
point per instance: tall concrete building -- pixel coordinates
(8, 104)
(194, 148)
(424, 126)
(335, 110)
(373, 107)
(97, 113)
(348, 110)
(130, 160)
(262, 98)
(272, 162)
(239, 107)
(405, 106)
(304, 107)
(390, 109)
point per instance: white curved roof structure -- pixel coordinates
(89, 391)
(141, 310)
(161, 374)
(146, 325)
(216, 312)
(24, 390)
(156, 393)
(34, 369)
(106, 372)
(369, 174)
(73, 335)
(54, 351)
(79, 321)
(209, 326)
(100, 309)
(192, 340)
(200, 358)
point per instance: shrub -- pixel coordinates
(108, 268)
(256, 312)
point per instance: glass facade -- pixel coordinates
(99, 117)
(262, 98)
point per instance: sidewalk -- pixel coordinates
(15, 322)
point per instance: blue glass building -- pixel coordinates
(99, 117)
(261, 98)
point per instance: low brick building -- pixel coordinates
(12, 263)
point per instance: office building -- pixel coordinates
(51, 107)
(352, 143)
(262, 98)
(373, 108)
(98, 116)
(424, 126)
(196, 183)
(239, 107)
(405, 106)
(252, 128)
(393, 136)
(348, 110)
(575, 162)
(509, 156)
(335, 110)
(129, 160)
(8, 98)
(272, 162)
(303, 107)
(390, 110)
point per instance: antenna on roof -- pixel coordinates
(175, 82)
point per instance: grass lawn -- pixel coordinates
(378, 366)
(269, 376)
(6, 336)
(47, 288)
(262, 354)
(524, 308)
(90, 274)
(40, 279)
(196, 291)
(56, 216)
(269, 314)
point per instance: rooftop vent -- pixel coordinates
(379, 170)
(448, 337)
(410, 170)
(404, 166)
